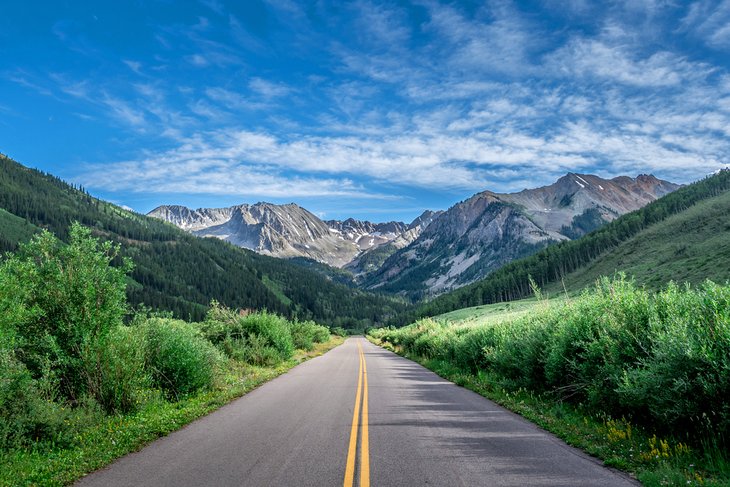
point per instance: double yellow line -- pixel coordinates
(361, 398)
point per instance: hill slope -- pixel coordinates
(488, 230)
(683, 236)
(691, 246)
(177, 271)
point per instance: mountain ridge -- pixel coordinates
(642, 242)
(488, 230)
(290, 230)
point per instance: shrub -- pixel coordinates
(272, 330)
(306, 333)
(662, 359)
(595, 339)
(115, 369)
(19, 401)
(684, 381)
(179, 359)
(245, 337)
(56, 298)
(258, 352)
(517, 353)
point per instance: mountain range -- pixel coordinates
(291, 231)
(438, 251)
(478, 235)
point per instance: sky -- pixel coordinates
(369, 109)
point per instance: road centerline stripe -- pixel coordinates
(350, 467)
(364, 440)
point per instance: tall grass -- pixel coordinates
(658, 359)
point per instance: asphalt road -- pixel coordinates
(410, 428)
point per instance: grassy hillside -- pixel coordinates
(489, 313)
(14, 229)
(682, 236)
(176, 271)
(690, 246)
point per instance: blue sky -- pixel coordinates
(368, 109)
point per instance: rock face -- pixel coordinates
(488, 230)
(292, 231)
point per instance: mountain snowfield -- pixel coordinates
(438, 251)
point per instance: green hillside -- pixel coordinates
(683, 236)
(14, 229)
(174, 270)
(691, 246)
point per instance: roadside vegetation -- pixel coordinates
(80, 385)
(639, 378)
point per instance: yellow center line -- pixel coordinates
(364, 440)
(350, 468)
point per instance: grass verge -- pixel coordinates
(619, 444)
(48, 463)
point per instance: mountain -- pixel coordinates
(372, 259)
(176, 271)
(488, 230)
(643, 243)
(291, 231)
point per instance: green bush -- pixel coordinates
(259, 352)
(56, 298)
(115, 369)
(180, 360)
(306, 333)
(684, 381)
(260, 338)
(660, 359)
(516, 353)
(273, 330)
(20, 403)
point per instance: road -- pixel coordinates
(410, 428)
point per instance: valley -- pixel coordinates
(254, 341)
(372, 242)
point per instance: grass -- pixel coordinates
(114, 436)
(275, 288)
(15, 229)
(489, 313)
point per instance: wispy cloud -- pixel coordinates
(357, 99)
(710, 20)
(595, 58)
(268, 89)
(497, 40)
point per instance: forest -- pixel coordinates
(175, 271)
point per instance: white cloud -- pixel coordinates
(709, 20)
(595, 58)
(197, 60)
(268, 89)
(499, 42)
